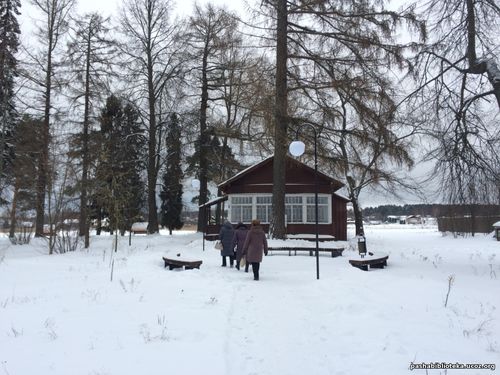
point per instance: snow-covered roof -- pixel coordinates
(214, 201)
(496, 225)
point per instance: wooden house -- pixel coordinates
(413, 219)
(248, 195)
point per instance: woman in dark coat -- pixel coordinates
(240, 235)
(226, 238)
(255, 245)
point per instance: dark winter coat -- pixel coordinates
(226, 237)
(255, 245)
(239, 238)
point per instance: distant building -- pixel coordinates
(413, 219)
(392, 219)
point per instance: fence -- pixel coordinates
(467, 224)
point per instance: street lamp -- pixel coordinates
(297, 148)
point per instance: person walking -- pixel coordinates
(226, 235)
(240, 235)
(255, 244)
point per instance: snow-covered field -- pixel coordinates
(61, 314)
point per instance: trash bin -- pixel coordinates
(362, 246)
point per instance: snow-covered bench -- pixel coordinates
(335, 252)
(139, 228)
(378, 260)
(179, 262)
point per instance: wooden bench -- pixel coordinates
(372, 260)
(335, 252)
(179, 263)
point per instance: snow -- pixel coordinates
(61, 314)
(140, 226)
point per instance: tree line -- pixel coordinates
(434, 210)
(106, 115)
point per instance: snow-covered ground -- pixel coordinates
(61, 314)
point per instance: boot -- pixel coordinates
(255, 269)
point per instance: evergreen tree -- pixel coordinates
(27, 144)
(9, 43)
(171, 194)
(222, 164)
(132, 156)
(118, 187)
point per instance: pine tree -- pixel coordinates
(171, 194)
(27, 145)
(118, 186)
(9, 43)
(132, 146)
(223, 163)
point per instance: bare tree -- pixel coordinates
(370, 145)
(211, 32)
(152, 63)
(91, 52)
(41, 70)
(458, 82)
(312, 35)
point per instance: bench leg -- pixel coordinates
(361, 267)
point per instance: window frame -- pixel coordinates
(305, 205)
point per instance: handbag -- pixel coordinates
(243, 261)
(218, 245)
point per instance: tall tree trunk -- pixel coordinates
(203, 196)
(280, 119)
(43, 164)
(152, 170)
(358, 215)
(83, 221)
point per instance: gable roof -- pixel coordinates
(269, 160)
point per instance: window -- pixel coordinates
(241, 209)
(322, 210)
(293, 209)
(299, 209)
(264, 208)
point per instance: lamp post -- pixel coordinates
(297, 148)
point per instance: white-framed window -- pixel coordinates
(294, 209)
(263, 208)
(241, 209)
(323, 210)
(299, 208)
